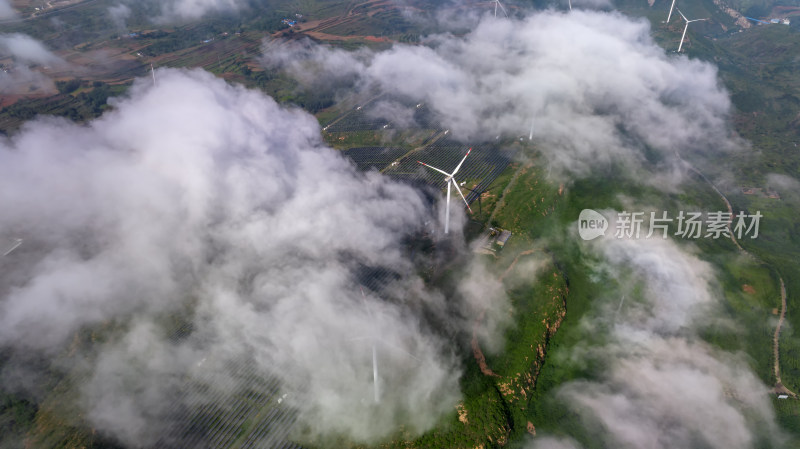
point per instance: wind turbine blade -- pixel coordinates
(16, 245)
(669, 16)
(684, 17)
(366, 305)
(462, 195)
(459, 164)
(375, 373)
(495, 8)
(362, 339)
(434, 168)
(400, 349)
(501, 7)
(683, 36)
(447, 211)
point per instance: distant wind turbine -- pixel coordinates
(16, 244)
(375, 340)
(569, 2)
(374, 353)
(530, 136)
(153, 71)
(450, 181)
(496, 4)
(683, 36)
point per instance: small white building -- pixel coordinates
(503, 238)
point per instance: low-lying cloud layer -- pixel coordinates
(664, 387)
(203, 200)
(26, 49)
(175, 10)
(6, 10)
(26, 52)
(199, 199)
(194, 9)
(592, 87)
(119, 15)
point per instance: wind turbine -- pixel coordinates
(374, 353)
(569, 2)
(16, 244)
(153, 71)
(496, 4)
(450, 181)
(670, 11)
(685, 28)
(375, 340)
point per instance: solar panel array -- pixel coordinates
(378, 158)
(240, 409)
(485, 163)
(368, 118)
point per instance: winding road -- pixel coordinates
(779, 387)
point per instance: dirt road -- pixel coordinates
(779, 387)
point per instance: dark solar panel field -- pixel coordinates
(378, 158)
(485, 163)
(367, 118)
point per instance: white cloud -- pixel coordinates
(211, 201)
(6, 10)
(594, 86)
(27, 49)
(119, 14)
(26, 52)
(663, 386)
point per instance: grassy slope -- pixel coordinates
(497, 409)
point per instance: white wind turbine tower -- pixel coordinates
(450, 181)
(680, 46)
(374, 353)
(569, 2)
(496, 4)
(670, 11)
(375, 340)
(153, 71)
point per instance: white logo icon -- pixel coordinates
(591, 224)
